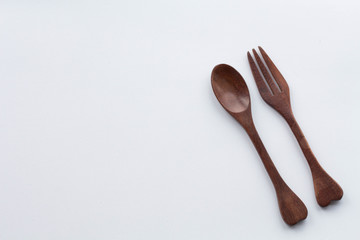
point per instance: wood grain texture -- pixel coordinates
(275, 91)
(233, 94)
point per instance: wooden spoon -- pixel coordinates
(233, 94)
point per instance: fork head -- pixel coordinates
(271, 84)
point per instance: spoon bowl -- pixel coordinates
(230, 89)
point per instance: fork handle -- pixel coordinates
(291, 207)
(326, 188)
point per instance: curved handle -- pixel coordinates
(326, 188)
(292, 209)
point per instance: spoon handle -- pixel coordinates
(292, 209)
(265, 158)
(326, 188)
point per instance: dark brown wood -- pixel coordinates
(276, 94)
(233, 94)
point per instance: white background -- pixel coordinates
(109, 128)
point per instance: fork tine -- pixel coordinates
(280, 80)
(265, 73)
(263, 89)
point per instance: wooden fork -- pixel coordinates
(276, 94)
